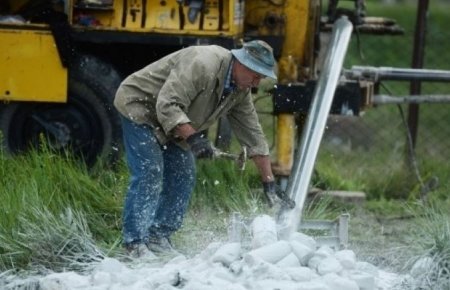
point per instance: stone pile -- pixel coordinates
(297, 263)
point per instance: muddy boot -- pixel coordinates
(161, 246)
(139, 251)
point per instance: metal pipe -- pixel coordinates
(289, 219)
(413, 99)
(396, 74)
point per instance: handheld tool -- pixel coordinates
(240, 159)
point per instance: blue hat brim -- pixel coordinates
(242, 56)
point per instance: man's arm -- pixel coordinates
(262, 162)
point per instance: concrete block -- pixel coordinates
(227, 254)
(347, 258)
(329, 265)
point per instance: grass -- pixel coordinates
(43, 196)
(434, 246)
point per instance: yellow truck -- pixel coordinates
(62, 60)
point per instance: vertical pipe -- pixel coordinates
(289, 219)
(291, 61)
(285, 143)
(417, 62)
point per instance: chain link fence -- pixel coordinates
(374, 148)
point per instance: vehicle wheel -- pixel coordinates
(83, 125)
(86, 125)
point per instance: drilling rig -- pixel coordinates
(62, 60)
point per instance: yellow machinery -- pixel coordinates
(61, 61)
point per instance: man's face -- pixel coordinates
(245, 78)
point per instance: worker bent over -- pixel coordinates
(164, 106)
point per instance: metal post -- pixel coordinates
(235, 228)
(417, 62)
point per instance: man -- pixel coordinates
(164, 106)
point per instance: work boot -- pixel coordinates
(139, 251)
(161, 245)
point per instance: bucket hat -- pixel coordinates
(257, 55)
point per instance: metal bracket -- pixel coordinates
(334, 232)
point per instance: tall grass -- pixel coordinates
(221, 186)
(52, 204)
(431, 268)
(57, 213)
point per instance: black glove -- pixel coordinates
(276, 196)
(200, 147)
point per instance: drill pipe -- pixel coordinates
(289, 219)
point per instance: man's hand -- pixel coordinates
(275, 196)
(200, 147)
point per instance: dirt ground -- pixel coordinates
(386, 242)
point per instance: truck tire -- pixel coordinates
(87, 125)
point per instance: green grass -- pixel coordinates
(53, 201)
(38, 190)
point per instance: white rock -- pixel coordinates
(165, 276)
(264, 231)
(367, 268)
(320, 254)
(364, 280)
(273, 284)
(329, 265)
(324, 251)
(259, 269)
(421, 266)
(177, 260)
(101, 278)
(140, 285)
(272, 253)
(110, 265)
(347, 258)
(210, 282)
(314, 285)
(189, 273)
(126, 278)
(336, 282)
(197, 285)
(63, 281)
(290, 260)
(314, 262)
(303, 252)
(300, 274)
(227, 254)
(236, 267)
(166, 287)
(210, 250)
(223, 274)
(304, 239)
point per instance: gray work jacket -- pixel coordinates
(186, 87)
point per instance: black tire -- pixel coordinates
(87, 124)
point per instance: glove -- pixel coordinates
(275, 196)
(200, 147)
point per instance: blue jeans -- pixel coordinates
(162, 178)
